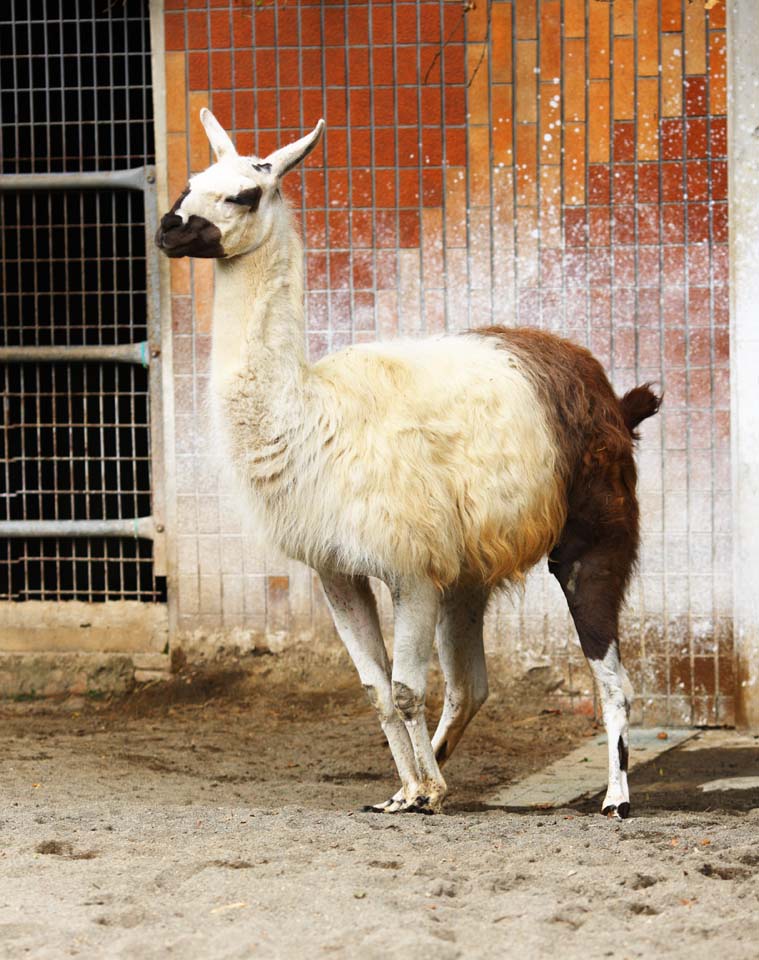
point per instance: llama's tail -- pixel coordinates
(637, 405)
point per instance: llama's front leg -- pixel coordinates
(613, 691)
(354, 610)
(416, 611)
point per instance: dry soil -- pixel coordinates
(218, 817)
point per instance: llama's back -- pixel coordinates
(432, 457)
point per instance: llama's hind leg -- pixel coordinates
(416, 613)
(593, 580)
(354, 610)
(462, 659)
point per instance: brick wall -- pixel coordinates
(560, 164)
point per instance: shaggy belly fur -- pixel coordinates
(431, 458)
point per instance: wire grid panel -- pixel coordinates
(75, 84)
(75, 97)
(73, 268)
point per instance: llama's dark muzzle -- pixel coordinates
(197, 237)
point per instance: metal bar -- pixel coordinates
(141, 528)
(134, 179)
(121, 353)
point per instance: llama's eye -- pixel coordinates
(247, 198)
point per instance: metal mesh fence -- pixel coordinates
(75, 97)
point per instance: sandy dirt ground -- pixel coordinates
(219, 818)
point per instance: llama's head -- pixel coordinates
(231, 207)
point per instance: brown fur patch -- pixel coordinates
(596, 551)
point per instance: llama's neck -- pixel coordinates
(258, 361)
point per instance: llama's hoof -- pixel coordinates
(617, 811)
(419, 805)
(393, 805)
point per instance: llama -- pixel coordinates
(444, 467)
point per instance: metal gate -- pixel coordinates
(80, 492)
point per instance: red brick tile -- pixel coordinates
(525, 17)
(575, 269)
(243, 69)
(429, 22)
(624, 345)
(431, 106)
(408, 188)
(288, 74)
(624, 265)
(648, 266)
(361, 188)
(408, 228)
(624, 142)
(719, 223)
(624, 79)
(698, 306)
(454, 106)
(316, 271)
(672, 188)
(671, 139)
(697, 180)
(623, 184)
(197, 64)
(311, 28)
(382, 65)
(454, 66)
(363, 311)
(673, 223)
(598, 183)
(455, 148)
(363, 270)
(382, 25)
(673, 306)
(220, 29)
(386, 229)
(384, 146)
(599, 49)
(362, 228)
(648, 347)
(624, 224)
(432, 187)
(339, 270)
(197, 31)
(311, 101)
(698, 264)
(361, 148)
(316, 229)
(175, 31)
(338, 225)
(575, 228)
(648, 183)
(266, 68)
(624, 304)
(695, 96)
(550, 40)
(222, 108)
(385, 187)
(720, 264)
(406, 70)
(599, 267)
(718, 137)
(648, 307)
(408, 146)
(697, 219)
(696, 138)
(315, 188)
(358, 24)
(386, 269)
(599, 226)
(648, 223)
(334, 26)
(671, 15)
(717, 73)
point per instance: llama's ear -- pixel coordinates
(218, 137)
(286, 158)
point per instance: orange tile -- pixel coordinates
(503, 145)
(477, 71)
(717, 73)
(387, 314)
(176, 150)
(479, 249)
(550, 206)
(550, 40)
(527, 246)
(624, 79)
(550, 124)
(476, 22)
(599, 41)
(479, 165)
(455, 207)
(500, 47)
(718, 16)
(574, 164)
(176, 90)
(434, 311)
(598, 122)
(623, 14)
(648, 118)
(648, 38)
(433, 268)
(526, 81)
(527, 165)
(672, 75)
(200, 152)
(574, 18)
(202, 293)
(671, 15)
(695, 38)
(574, 80)
(526, 19)
(180, 276)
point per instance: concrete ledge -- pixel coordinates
(37, 675)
